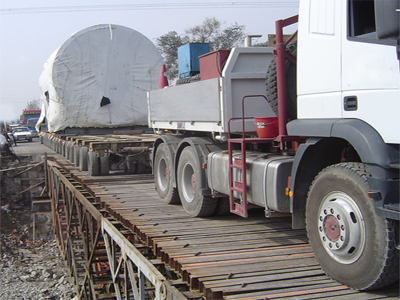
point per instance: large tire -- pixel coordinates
(67, 150)
(291, 91)
(93, 164)
(163, 175)
(104, 165)
(353, 245)
(71, 155)
(83, 159)
(188, 177)
(63, 149)
(77, 151)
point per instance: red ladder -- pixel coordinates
(238, 205)
(238, 185)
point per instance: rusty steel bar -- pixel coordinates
(280, 53)
(101, 259)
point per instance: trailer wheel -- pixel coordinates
(353, 245)
(189, 176)
(63, 149)
(163, 175)
(104, 165)
(83, 159)
(55, 145)
(71, 155)
(67, 148)
(77, 150)
(93, 164)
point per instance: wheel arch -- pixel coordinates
(325, 147)
(171, 141)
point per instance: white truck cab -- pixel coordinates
(344, 70)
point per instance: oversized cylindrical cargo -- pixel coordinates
(99, 78)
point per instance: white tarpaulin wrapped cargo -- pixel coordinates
(99, 78)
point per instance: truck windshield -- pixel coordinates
(31, 123)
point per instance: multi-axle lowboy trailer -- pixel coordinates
(127, 151)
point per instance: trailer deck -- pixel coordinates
(112, 142)
(119, 240)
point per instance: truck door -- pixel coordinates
(319, 60)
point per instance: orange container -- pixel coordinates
(267, 127)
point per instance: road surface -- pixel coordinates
(32, 148)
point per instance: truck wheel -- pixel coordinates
(189, 176)
(93, 164)
(353, 245)
(83, 159)
(104, 165)
(163, 175)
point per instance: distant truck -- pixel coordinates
(31, 124)
(326, 153)
(29, 114)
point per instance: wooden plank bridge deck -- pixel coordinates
(219, 257)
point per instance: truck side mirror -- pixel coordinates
(387, 18)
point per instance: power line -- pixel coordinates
(151, 6)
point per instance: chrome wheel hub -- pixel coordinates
(341, 227)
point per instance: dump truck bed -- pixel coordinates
(208, 105)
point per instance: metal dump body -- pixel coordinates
(208, 105)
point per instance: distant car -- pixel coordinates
(22, 134)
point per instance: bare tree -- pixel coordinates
(34, 104)
(207, 32)
(210, 31)
(168, 45)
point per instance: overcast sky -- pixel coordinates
(31, 30)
